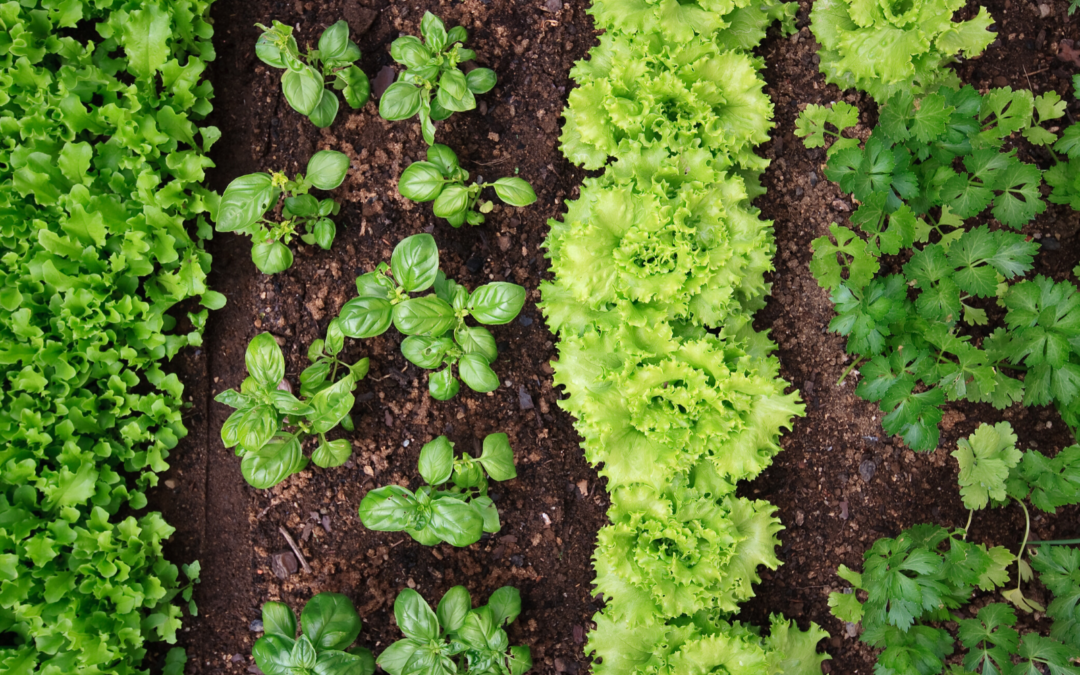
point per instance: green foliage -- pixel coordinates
(306, 75)
(249, 198)
(270, 423)
(442, 180)
(459, 514)
(1064, 177)
(330, 625)
(102, 221)
(433, 86)
(438, 335)
(985, 459)
(885, 47)
(817, 121)
(456, 638)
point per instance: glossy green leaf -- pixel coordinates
(325, 110)
(332, 453)
(278, 619)
(505, 605)
(334, 42)
(477, 374)
(330, 621)
(327, 168)
(514, 191)
(244, 202)
(427, 315)
(497, 457)
(415, 262)
(496, 303)
(453, 607)
(480, 80)
(442, 385)
(400, 101)
(302, 88)
(273, 463)
(421, 182)
(365, 317)
(388, 509)
(264, 360)
(437, 461)
(271, 257)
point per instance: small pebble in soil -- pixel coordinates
(1050, 243)
(843, 510)
(525, 321)
(867, 469)
(237, 658)
(800, 518)
(475, 264)
(405, 443)
(812, 177)
(524, 398)
(382, 81)
(284, 565)
(517, 561)
(256, 626)
(579, 635)
(553, 5)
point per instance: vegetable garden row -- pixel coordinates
(409, 502)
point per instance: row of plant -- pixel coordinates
(939, 185)
(101, 227)
(658, 268)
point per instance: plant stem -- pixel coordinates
(971, 514)
(1055, 542)
(848, 370)
(1023, 544)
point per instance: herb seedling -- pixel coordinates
(456, 639)
(438, 336)
(459, 514)
(432, 85)
(270, 423)
(330, 624)
(305, 78)
(442, 180)
(249, 198)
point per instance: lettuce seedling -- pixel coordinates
(459, 514)
(432, 85)
(456, 638)
(249, 198)
(306, 76)
(270, 423)
(442, 180)
(438, 336)
(330, 624)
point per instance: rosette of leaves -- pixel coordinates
(442, 180)
(329, 625)
(433, 86)
(621, 256)
(306, 76)
(1064, 176)
(456, 638)
(248, 199)
(458, 514)
(884, 47)
(270, 423)
(435, 324)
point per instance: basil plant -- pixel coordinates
(458, 514)
(438, 336)
(330, 624)
(270, 423)
(432, 84)
(248, 199)
(306, 76)
(456, 639)
(442, 180)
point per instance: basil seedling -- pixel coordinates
(432, 85)
(438, 336)
(249, 198)
(305, 78)
(459, 514)
(270, 423)
(442, 180)
(456, 638)
(330, 624)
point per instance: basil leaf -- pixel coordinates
(427, 127)
(400, 101)
(325, 111)
(304, 654)
(443, 386)
(455, 522)
(453, 199)
(264, 360)
(245, 200)
(335, 339)
(268, 52)
(301, 205)
(497, 457)
(271, 257)
(456, 34)
(363, 318)
(453, 81)
(480, 80)
(334, 42)
(332, 662)
(394, 657)
(331, 405)
(496, 303)
(426, 352)
(490, 515)
(415, 262)
(439, 113)
(273, 463)
(476, 340)
(437, 461)
(366, 664)
(434, 32)
(424, 316)
(327, 168)
(466, 102)
(514, 191)
(505, 605)
(330, 621)
(278, 619)
(302, 89)
(273, 654)
(520, 660)
(414, 616)
(332, 453)
(453, 607)
(359, 370)
(477, 374)
(410, 52)
(233, 399)
(324, 231)
(357, 87)
(421, 182)
(388, 509)
(313, 378)
(374, 285)
(442, 157)
(287, 404)
(250, 428)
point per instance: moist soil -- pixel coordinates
(840, 484)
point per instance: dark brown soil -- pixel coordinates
(552, 511)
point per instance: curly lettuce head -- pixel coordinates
(886, 46)
(738, 22)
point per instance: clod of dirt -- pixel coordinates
(867, 469)
(524, 398)
(359, 18)
(284, 565)
(1050, 243)
(1067, 53)
(384, 79)
(553, 6)
(237, 658)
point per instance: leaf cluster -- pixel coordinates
(306, 75)
(433, 86)
(248, 199)
(329, 625)
(270, 424)
(435, 324)
(442, 180)
(458, 514)
(456, 639)
(1064, 177)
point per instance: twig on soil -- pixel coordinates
(296, 549)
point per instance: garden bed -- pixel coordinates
(840, 484)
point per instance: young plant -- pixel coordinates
(306, 76)
(456, 639)
(459, 514)
(441, 179)
(249, 198)
(330, 624)
(438, 335)
(270, 423)
(432, 84)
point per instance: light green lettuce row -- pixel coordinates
(734, 23)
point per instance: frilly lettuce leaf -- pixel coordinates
(680, 20)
